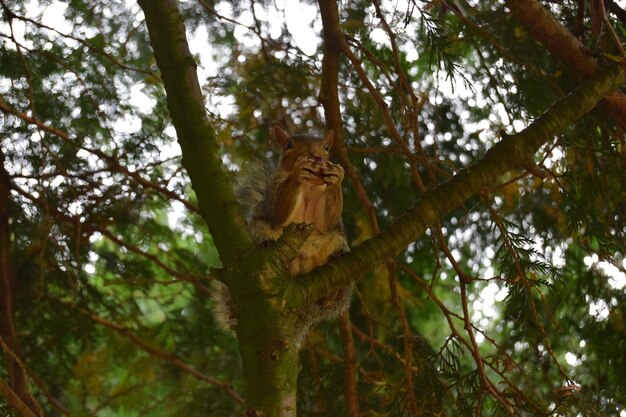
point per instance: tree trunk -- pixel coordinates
(270, 364)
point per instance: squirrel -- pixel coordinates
(305, 187)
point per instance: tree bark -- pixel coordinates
(270, 362)
(349, 366)
(15, 401)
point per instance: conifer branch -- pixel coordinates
(96, 50)
(563, 45)
(329, 97)
(92, 227)
(155, 351)
(113, 164)
(512, 152)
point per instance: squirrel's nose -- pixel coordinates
(318, 158)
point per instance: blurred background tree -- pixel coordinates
(515, 302)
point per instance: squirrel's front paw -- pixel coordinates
(310, 170)
(332, 173)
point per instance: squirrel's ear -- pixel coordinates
(281, 136)
(328, 139)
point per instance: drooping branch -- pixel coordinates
(92, 227)
(510, 153)
(155, 351)
(201, 158)
(563, 45)
(113, 164)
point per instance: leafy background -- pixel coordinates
(112, 263)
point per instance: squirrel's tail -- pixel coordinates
(222, 307)
(251, 184)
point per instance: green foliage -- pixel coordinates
(113, 264)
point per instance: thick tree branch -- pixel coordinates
(563, 45)
(201, 157)
(512, 152)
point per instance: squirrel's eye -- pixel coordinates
(326, 146)
(289, 145)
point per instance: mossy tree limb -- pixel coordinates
(253, 275)
(201, 156)
(513, 151)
